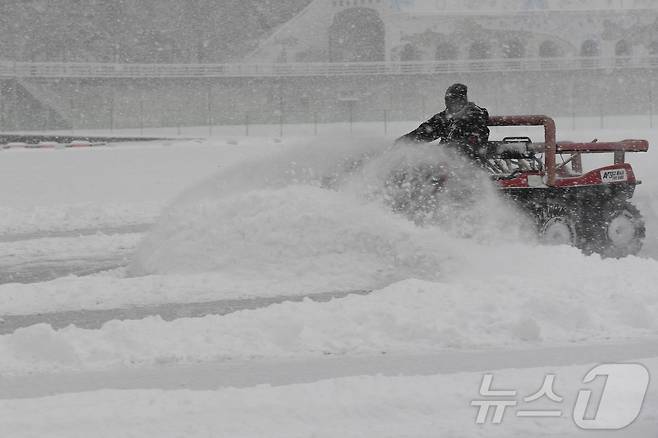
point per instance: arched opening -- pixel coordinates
(446, 52)
(513, 49)
(549, 49)
(623, 48)
(409, 53)
(479, 50)
(590, 48)
(357, 35)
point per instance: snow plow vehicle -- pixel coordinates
(590, 210)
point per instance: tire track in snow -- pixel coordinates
(46, 270)
(79, 232)
(94, 319)
(39, 257)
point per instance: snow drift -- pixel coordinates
(533, 309)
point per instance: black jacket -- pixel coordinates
(467, 127)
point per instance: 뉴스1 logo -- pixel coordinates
(616, 175)
(616, 407)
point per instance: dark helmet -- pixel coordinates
(456, 97)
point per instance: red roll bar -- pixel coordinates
(575, 149)
(611, 146)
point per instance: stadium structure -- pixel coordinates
(368, 59)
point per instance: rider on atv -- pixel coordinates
(462, 124)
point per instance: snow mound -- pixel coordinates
(406, 317)
(328, 207)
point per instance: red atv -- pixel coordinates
(590, 210)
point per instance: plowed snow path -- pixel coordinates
(94, 319)
(46, 270)
(42, 257)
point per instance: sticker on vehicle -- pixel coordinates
(615, 175)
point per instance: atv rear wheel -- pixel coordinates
(619, 232)
(557, 226)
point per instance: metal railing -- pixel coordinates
(99, 70)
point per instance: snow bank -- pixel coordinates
(409, 316)
(352, 407)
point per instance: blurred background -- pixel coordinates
(141, 64)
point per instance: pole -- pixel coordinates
(385, 122)
(651, 106)
(571, 105)
(2, 108)
(602, 117)
(351, 117)
(573, 120)
(282, 105)
(315, 123)
(141, 116)
(210, 120)
(72, 116)
(496, 98)
(112, 112)
(246, 124)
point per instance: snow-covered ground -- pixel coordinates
(362, 406)
(193, 221)
(50, 190)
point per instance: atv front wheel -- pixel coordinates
(557, 226)
(620, 231)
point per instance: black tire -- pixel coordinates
(619, 231)
(556, 225)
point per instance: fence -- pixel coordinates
(119, 71)
(387, 123)
(108, 103)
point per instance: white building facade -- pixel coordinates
(445, 30)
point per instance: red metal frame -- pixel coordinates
(612, 146)
(549, 137)
(575, 149)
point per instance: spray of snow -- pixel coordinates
(332, 207)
